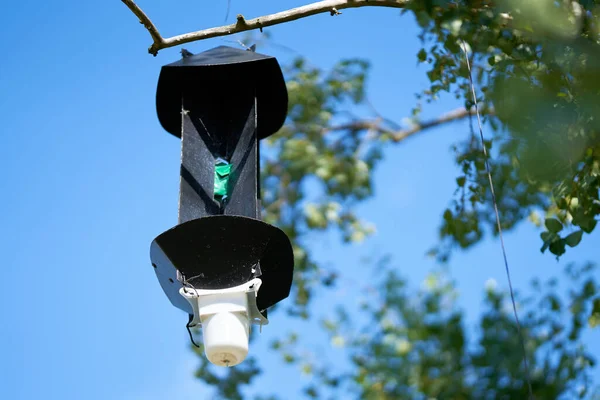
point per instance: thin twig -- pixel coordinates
(399, 135)
(242, 24)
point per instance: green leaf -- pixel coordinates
(422, 55)
(594, 319)
(548, 238)
(553, 225)
(574, 238)
(289, 358)
(557, 247)
(588, 225)
(448, 215)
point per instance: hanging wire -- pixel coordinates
(228, 8)
(489, 174)
(187, 326)
(185, 283)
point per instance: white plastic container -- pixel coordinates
(226, 338)
(225, 315)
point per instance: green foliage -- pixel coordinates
(307, 151)
(417, 345)
(535, 67)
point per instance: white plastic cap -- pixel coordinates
(225, 337)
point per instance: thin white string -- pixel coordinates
(489, 174)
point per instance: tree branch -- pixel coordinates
(331, 6)
(399, 135)
(144, 20)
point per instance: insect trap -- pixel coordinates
(221, 264)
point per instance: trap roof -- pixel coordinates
(218, 75)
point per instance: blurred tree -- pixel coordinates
(416, 345)
(536, 67)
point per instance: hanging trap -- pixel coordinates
(221, 264)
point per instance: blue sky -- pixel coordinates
(90, 178)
